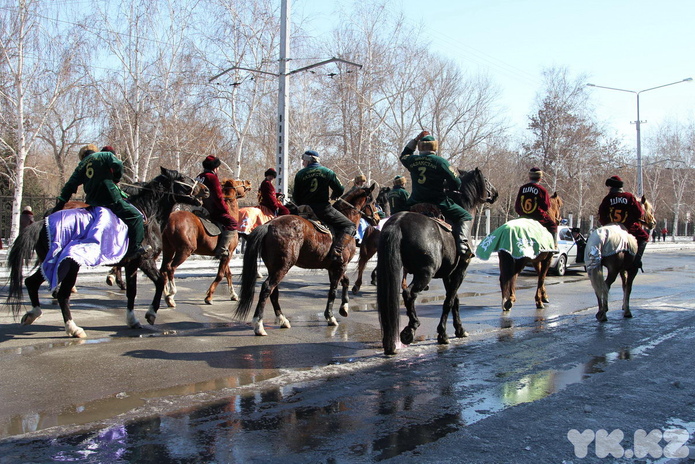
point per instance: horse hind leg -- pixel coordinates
(410, 294)
(72, 329)
(222, 271)
(280, 319)
(33, 282)
(628, 277)
(601, 291)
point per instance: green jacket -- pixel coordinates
(430, 175)
(98, 173)
(398, 199)
(312, 183)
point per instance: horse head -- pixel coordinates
(555, 208)
(362, 200)
(181, 187)
(382, 199)
(475, 189)
(648, 218)
(235, 188)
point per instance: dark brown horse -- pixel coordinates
(617, 261)
(511, 267)
(185, 235)
(289, 241)
(155, 199)
(414, 243)
(370, 242)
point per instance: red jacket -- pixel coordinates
(215, 202)
(268, 195)
(533, 202)
(624, 208)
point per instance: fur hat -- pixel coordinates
(427, 143)
(399, 180)
(311, 156)
(614, 181)
(87, 150)
(360, 179)
(535, 174)
(108, 148)
(27, 208)
(211, 162)
(270, 172)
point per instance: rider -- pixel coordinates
(99, 173)
(216, 205)
(622, 207)
(533, 202)
(431, 175)
(311, 185)
(268, 195)
(398, 196)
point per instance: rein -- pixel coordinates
(362, 213)
(171, 190)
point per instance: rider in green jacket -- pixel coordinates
(99, 173)
(431, 176)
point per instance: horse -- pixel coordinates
(601, 251)
(185, 234)
(370, 241)
(521, 242)
(414, 243)
(155, 200)
(291, 240)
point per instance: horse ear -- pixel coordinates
(644, 199)
(168, 172)
(371, 189)
(554, 195)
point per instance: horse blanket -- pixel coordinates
(90, 236)
(606, 241)
(521, 238)
(252, 217)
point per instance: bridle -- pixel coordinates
(367, 211)
(171, 187)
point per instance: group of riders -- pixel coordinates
(315, 185)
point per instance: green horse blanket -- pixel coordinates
(521, 238)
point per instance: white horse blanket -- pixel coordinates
(91, 237)
(606, 241)
(521, 238)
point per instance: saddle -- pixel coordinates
(432, 212)
(212, 228)
(307, 213)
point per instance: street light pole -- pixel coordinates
(640, 189)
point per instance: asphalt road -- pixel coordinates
(200, 387)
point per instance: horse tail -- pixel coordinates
(21, 251)
(389, 271)
(249, 273)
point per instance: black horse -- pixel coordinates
(155, 200)
(416, 244)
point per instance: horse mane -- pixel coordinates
(149, 195)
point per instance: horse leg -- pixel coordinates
(33, 283)
(268, 289)
(345, 298)
(334, 277)
(224, 265)
(373, 282)
(72, 329)
(628, 277)
(149, 268)
(507, 280)
(280, 318)
(228, 274)
(410, 293)
(360, 270)
(541, 296)
(168, 269)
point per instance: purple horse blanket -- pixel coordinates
(91, 237)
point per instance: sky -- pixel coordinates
(626, 44)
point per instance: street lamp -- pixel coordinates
(637, 124)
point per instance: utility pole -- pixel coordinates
(284, 93)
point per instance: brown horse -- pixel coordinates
(289, 241)
(185, 235)
(511, 267)
(370, 241)
(618, 261)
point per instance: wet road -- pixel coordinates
(198, 387)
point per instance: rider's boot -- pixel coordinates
(339, 243)
(223, 241)
(637, 261)
(461, 231)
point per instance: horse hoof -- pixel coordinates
(74, 331)
(110, 280)
(461, 333)
(208, 301)
(355, 290)
(407, 336)
(150, 318)
(627, 315)
(601, 317)
(283, 322)
(234, 297)
(507, 305)
(540, 305)
(443, 339)
(344, 311)
(545, 299)
(332, 322)
(170, 302)
(30, 316)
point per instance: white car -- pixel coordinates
(569, 249)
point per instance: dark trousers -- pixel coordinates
(332, 217)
